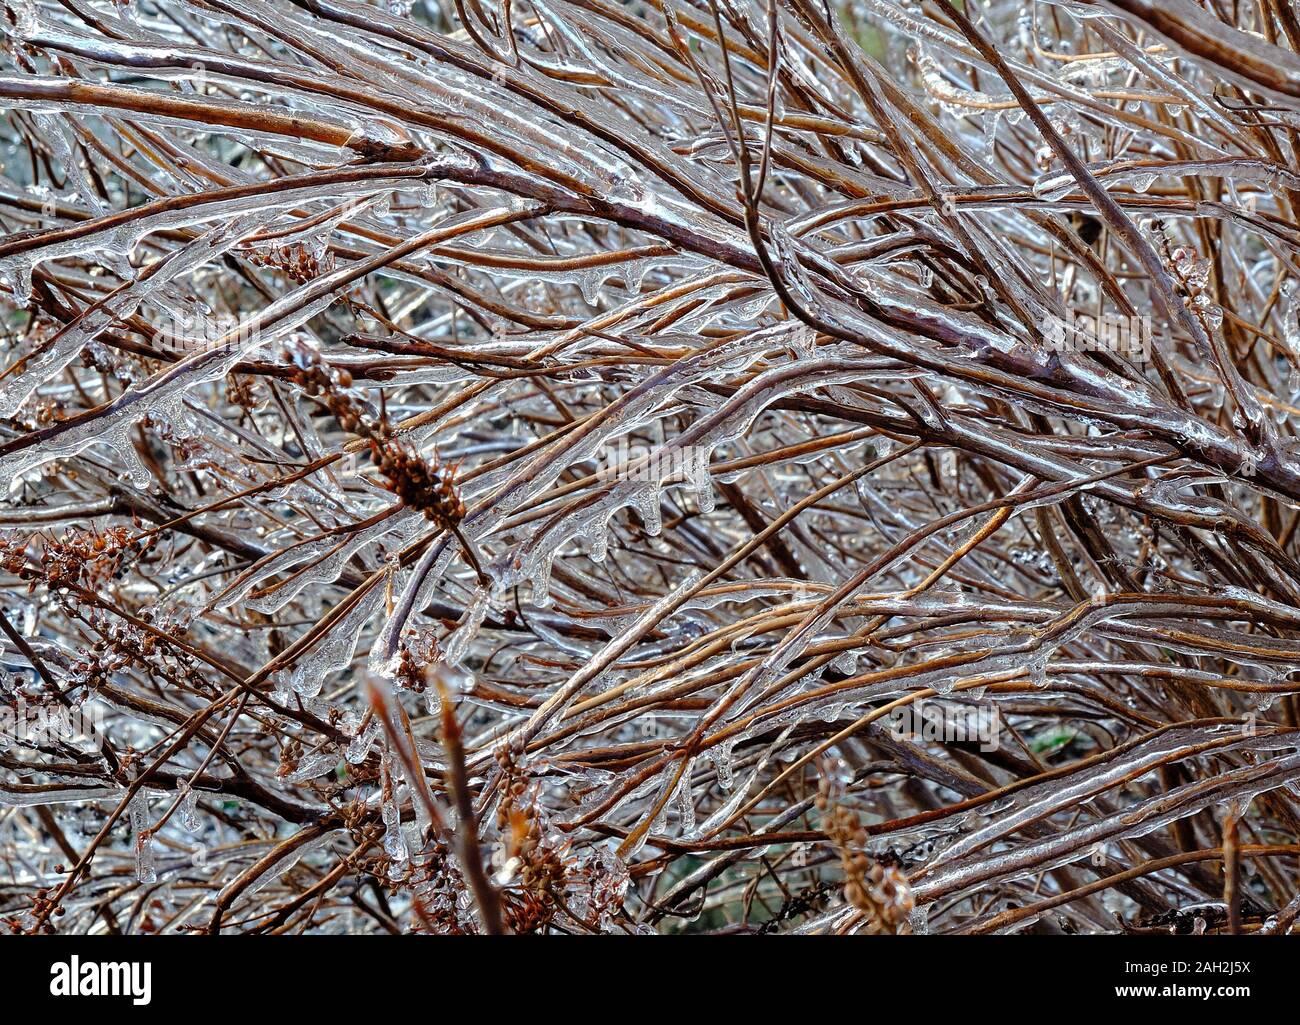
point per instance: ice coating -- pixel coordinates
(624, 468)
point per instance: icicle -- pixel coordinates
(542, 581)
(720, 755)
(686, 801)
(646, 503)
(458, 644)
(145, 870)
(360, 745)
(187, 809)
(391, 812)
(698, 478)
(16, 273)
(597, 538)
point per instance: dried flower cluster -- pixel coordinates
(417, 482)
(573, 466)
(879, 893)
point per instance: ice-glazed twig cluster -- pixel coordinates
(582, 466)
